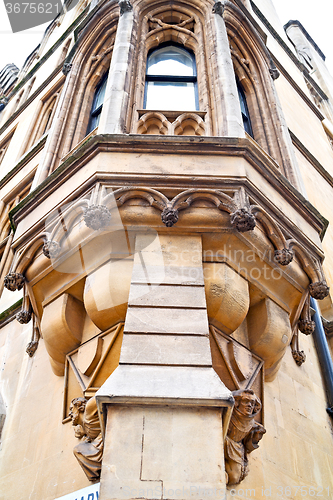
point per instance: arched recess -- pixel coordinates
(90, 61)
(256, 72)
(181, 23)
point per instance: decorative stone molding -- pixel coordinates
(32, 348)
(154, 123)
(14, 281)
(169, 216)
(299, 357)
(319, 290)
(243, 220)
(157, 22)
(306, 326)
(284, 256)
(51, 249)
(243, 436)
(188, 124)
(23, 317)
(125, 6)
(85, 421)
(97, 217)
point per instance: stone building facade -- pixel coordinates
(166, 256)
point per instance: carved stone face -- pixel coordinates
(76, 407)
(247, 404)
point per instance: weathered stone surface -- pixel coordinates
(14, 281)
(167, 295)
(243, 220)
(166, 320)
(284, 256)
(306, 326)
(319, 290)
(97, 217)
(169, 216)
(165, 349)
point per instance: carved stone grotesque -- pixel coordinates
(51, 249)
(319, 290)
(125, 6)
(23, 316)
(243, 220)
(89, 451)
(218, 8)
(299, 357)
(66, 68)
(306, 326)
(275, 73)
(284, 256)
(243, 436)
(14, 281)
(169, 216)
(97, 217)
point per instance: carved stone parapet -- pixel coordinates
(319, 290)
(169, 216)
(243, 220)
(306, 326)
(97, 217)
(51, 249)
(32, 348)
(14, 281)
(299, 357)
(218, 8)
(125, 6)
(23, 317)
(66, 68)
(284, 256)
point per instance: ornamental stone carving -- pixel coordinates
(169, 216)
(32, 348)
(243, 436)
(66, 68)
(97, 217)
(85, 421)
(14, 281)
(23, 317)
(284, 256)
(319, 290)
(218, 8)
(299, 357)
(275, 73)
(125, 6)
(51, 249)
(306, 326)
(243, 220)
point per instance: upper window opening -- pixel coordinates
(244, 110)
(171, 80)
(97, 105)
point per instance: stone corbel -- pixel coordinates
(305, 323)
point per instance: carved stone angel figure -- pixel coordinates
(243, 436)
(85, 421)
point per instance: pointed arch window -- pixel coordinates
(96, 109)
(244, 109)
(171, 79)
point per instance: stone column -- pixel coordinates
(114, 109)
(231, 123)
(164, 409)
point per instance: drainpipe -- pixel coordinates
(324, 355)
